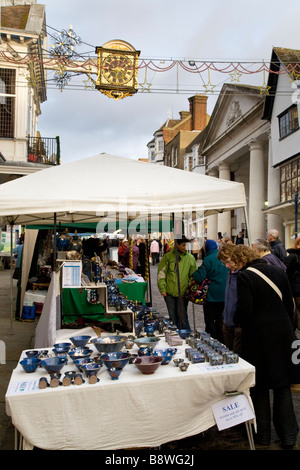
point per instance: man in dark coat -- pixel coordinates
(277, 247)
(267, 343)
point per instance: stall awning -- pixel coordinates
(86, 190)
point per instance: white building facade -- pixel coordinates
(23, 90)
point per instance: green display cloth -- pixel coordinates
(135, 291)
(75, 304)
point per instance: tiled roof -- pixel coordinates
(280, 55)
(287, 56)
(15, 17)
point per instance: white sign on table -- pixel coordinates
(71, 274)
(231, 411)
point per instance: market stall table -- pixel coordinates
(134, 411)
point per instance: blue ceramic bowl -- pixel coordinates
(184, 333)
(78, 353)
(66, 346)
(30, 364)
(91, 368)
(80, 341)
(79, 363)
(109, 344)
(53, 365)
(150, 341)
(60, 351)
(115, 360)
(33, 353)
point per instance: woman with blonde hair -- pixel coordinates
(264, 312)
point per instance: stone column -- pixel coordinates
(256, 191)
(224, 219)
(274, 221)
(212, 220)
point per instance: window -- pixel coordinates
(160, 145)
(289, 180)
(7, 102)
(288, 122)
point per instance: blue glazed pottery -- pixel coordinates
(114, 373)
(60, 351)
(116, 360)
(178, 361)
(184, 333)
(110, 343)
(151, 342)
(167, 354)
(30, 364)
(78, 353)
(62, 345)
(144, 351)
(80, 362)
(138, 326)
(80, 341)
(54, 365)
(90, 368)
(32, 353)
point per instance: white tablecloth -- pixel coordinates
(34, 296)
(134, 411)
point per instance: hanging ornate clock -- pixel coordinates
(117, 69)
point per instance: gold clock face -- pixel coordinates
(117, 69)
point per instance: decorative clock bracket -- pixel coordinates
(117, 69)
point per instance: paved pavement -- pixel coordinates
(19, 335)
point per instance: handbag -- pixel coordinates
(197, 293)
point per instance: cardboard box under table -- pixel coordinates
(134, 411)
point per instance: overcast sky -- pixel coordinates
(89, 123)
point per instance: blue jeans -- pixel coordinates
(174, 311)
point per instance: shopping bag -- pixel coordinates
(197, 293)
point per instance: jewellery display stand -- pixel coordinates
(125, 316)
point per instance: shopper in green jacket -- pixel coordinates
(167, 281)
(216, 272)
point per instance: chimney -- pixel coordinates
(184, 114)
(198, 110)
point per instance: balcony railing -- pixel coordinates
(43, 150)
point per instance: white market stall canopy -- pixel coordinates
(83, 191)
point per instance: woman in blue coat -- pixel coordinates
(214, 270)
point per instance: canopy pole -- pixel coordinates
(54, 243)
(11, 277)
(247, 225)
(147, 260)
(180, 300)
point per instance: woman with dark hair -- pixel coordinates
(264, 312)
(216, 272)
